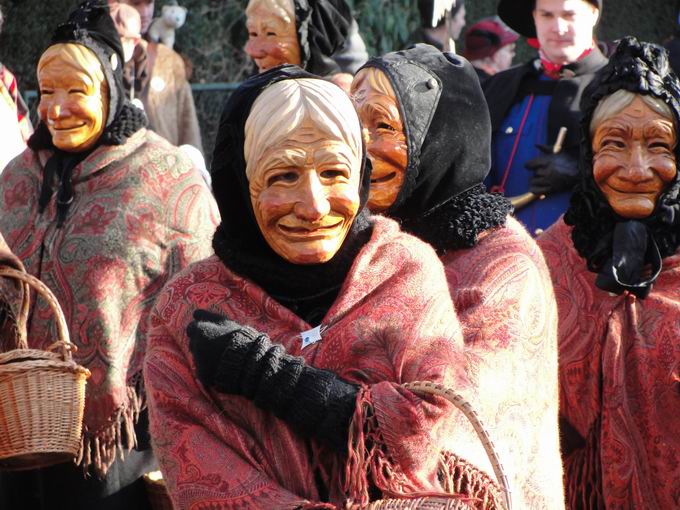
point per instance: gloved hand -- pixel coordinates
(209, 335)
(553, 173)
(238, 360)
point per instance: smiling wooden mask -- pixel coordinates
(272, 34)
(633, 152)
(74, 96)
(376, 104)
(303, 163)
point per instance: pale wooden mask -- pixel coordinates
(376, 104)
(634, 158)
(304, 186)
(272, 35)
(74, 96)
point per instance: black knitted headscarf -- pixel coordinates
(448, 135)
(620, 249)
(307, 290)
(89, 25)
(322, 28)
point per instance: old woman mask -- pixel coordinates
(272, 35)
(633, 140)
(303, 157)
(74, 96)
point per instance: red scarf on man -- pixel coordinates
(550, 69)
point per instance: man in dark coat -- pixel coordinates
(529, 104)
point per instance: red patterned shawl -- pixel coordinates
(11, 294)
(619, 383)
(392, 322)
(503, 297)
(141, 212)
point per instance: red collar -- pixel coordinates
(551, 70)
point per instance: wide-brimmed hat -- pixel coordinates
(518, 14)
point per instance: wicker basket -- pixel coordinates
(42, 393)
(442, 502)
(158, 494)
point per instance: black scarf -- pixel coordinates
(89, 25)
(448, 135)
(322, 28)
(307, 290)
(626, 254)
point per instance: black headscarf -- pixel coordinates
(322, 28)
(308, 290)
(448, 135)
(89, 25)
(620, 249)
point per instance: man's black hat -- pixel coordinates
(518, 14)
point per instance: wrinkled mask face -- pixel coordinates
(305, 194)
(634, 159)
(376, 104)
(73, 102)
(272, 40)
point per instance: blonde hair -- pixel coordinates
(284, 9)
(378, 80)
(79, 57)
(284, 106)
(619, 100)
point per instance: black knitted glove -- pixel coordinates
(553, 173)
(238, 360)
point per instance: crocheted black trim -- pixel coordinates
(457, 223)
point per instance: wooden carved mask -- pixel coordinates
(634, 158)
(272, 35)
(376, 104)
(74, 96)
(303, 153)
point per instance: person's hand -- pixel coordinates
(210, 334)
(553, 173)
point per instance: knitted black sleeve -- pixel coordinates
(315, 402)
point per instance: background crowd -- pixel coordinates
(214, 34)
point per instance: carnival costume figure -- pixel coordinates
(103, 212)
(285, 390)
(428, 168)
(616, 269)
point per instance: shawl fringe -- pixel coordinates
(461, 477)
(583, 474)
(369, 466)
(98, 450)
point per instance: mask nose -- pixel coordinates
(313, 204)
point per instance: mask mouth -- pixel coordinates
(310, 230)
(66, 128)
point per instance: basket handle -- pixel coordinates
(457, 400)
(64, 344)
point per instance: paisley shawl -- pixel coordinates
(392, 322)
(504, 300)
(619, 373)
(140, 213)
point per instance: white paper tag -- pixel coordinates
(311, 337)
